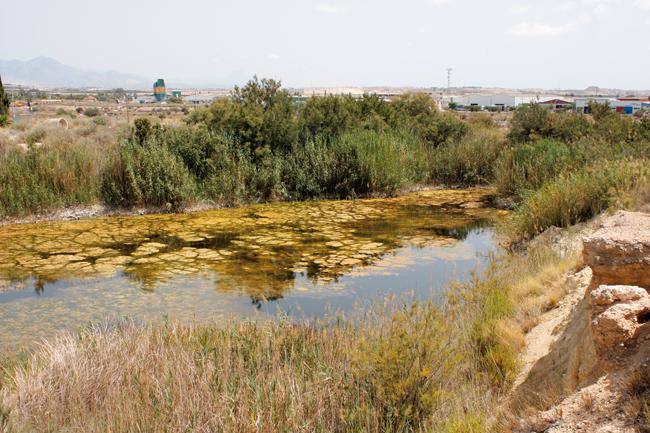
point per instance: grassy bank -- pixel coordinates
(396, 368)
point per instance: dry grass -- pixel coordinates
(540, 291)
(263, 378)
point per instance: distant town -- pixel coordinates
(451, 98)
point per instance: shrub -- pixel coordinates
(419, 113)
(91, 112)
(142, 129)
(570, 127)
(577, 196)
(530, 122)
(201, 150)
(47, 177)
(259, 115)
(389, 160)
(347, 177)
(527, 166)
(406, 373)
(146, 175)
(328, 116)
(307, 170)
(471, 160)
(100, 120)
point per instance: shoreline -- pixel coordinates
(78, 212)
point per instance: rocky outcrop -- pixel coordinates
(618, 252)
(617, 313)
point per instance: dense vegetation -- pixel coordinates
(260, 145)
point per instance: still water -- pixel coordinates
(304, 259)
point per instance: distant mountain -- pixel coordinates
(47, 72)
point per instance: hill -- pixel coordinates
(48, 72)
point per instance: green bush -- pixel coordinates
(146, 174)
(357, 163)
(577, 196)
(419, 113)
(570, 127)
(530, 122)
(527, 166)
(308, 169)
(470, 161)
(47, 177)
(389, 160)
(328, 116)
(91, 112)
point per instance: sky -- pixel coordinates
(568, 44)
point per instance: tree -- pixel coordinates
(600, 111)
(419, 112)
(260, 116)
(4, 105)
(530, 122)
(328, 116)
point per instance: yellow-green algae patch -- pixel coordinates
(256, 249)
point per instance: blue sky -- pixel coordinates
(508, 43)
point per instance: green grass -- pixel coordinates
(471, 160)
(526, 167)
(580, 195)
(47, 177)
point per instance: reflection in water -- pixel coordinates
(263, 251)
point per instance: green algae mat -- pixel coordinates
(303, 258)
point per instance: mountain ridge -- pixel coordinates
(47, 72)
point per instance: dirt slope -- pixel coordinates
(586, 363)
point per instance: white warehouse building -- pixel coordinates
(502, 101)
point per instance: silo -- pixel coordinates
(159, 90)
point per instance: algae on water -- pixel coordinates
(253, 249)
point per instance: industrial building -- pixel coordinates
(200, 99)
(501, 102)
(621, 105)
(556, 104)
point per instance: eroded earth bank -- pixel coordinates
(586, 362)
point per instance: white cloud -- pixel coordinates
(600, 8)
(327, 8)
(273, 56)
(643, 4)
(438, 2)
(565, 6)
(538, 29)
(520, 9)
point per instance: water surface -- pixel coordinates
(305, 259)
